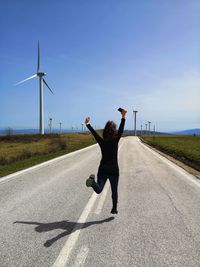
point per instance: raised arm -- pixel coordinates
(121, 126)
(95, 134)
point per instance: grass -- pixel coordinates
(183, 148)
(18, 152)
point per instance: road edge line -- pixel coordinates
(186, 174)
(45, 163)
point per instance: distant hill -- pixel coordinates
(184, 132)
(187, 132)
(34, 131)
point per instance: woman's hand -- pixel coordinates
(124, 113)
(87, 120)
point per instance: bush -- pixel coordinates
(25, 154)
(57, 145)
(3, 161)
(27, 138)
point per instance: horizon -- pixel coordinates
(100, 56)
(80, 129)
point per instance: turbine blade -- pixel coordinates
(33, 76)
(47, 85)
(38, 63)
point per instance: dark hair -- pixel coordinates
(109, 131)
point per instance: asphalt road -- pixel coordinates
(48, 217)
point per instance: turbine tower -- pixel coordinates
(41, 81)
(146, 127)
(60, 127)
(50, 124)
(135, 113)
(149, 122)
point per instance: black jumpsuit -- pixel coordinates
(108, 168)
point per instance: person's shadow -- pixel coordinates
(68, 226)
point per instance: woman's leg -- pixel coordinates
(101, 180)
(114, 185)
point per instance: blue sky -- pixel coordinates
(99, 55)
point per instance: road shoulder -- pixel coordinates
(177, 162)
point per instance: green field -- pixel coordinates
(23, 151)
(183, 148)
(18, 152)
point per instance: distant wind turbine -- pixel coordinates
(41, 81)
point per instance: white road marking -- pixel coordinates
(46, 163)
(104, 193)
(184, 173)
(66, 250)
(102, 199)
(81, 257)
(63, 257)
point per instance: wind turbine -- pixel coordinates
(40, 75)
(135, 113)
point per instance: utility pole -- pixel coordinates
(146, 127)
(50, 124)
(60, 126)
(141, 130)
(135, 113)
(149, 126)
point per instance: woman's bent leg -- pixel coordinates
(101, 180)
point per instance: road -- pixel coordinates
(50, 218)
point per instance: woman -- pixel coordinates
(108, 167)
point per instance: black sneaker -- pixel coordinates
(114, 211)
(90, 180)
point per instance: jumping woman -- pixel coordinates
(108, 168)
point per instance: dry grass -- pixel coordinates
(16, 150)
(183, 148)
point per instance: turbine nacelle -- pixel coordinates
(41, 74)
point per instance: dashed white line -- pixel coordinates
(63, 257)
(102, 199)
(104, 194)
(81, 257)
